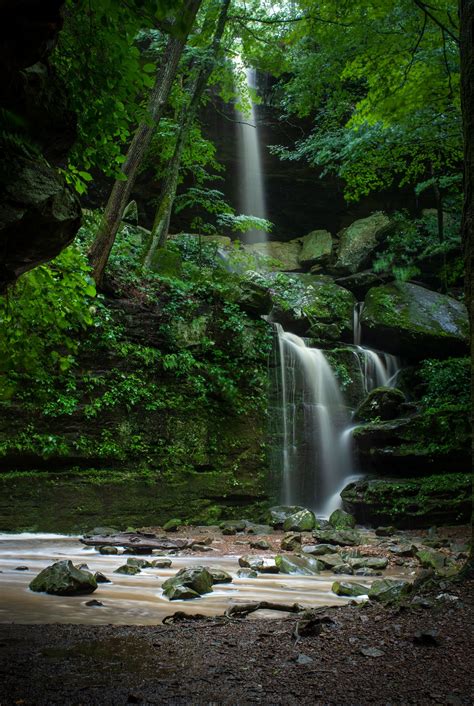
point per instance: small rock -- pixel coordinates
(319, 549)
(372, 652)
(349, 589)
(260, 544)
(21, 568)
(342, 520)
(161, 563)
(264, 565)
(247, 574)
(291, 542)
(258, 529)
(385, 531)
(343, 569)
(128, 570)
(229, 531)
(389, 590)
(366, 562)
(141, 563)
(367, 572)
(100, 578)
(448, 597)
(206, 541)
(344, 538)
(108, 550)
(93, 602)
(421, 602)
(301, 521)
(219, 575)
(298, 565)
(430, 559)
(201, 548)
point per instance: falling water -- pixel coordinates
(251, 191)
(316, 455)
(378, 369)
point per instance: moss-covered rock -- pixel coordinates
(316, 248)
(409, 320)
(63, 579)
(279, 513)
(341, 588)
(430, 559)
(383, 403)
(188, 583)
(172, 525)
(298, 565)
(301, 521)
(414, 502)
(343, 538)
(342, 520)
(389, 590)
(358, 243)
(128, 570)
(283, 256)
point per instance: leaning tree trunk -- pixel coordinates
(466, 10)
(120, 194)
(161, 223)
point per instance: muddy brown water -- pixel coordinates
(139, 599)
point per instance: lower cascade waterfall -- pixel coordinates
(316, 456)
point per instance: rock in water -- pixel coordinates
(301, 521)
(340, 588)
(63, 579)
(188, 583)
(299, 565)
(261, 564)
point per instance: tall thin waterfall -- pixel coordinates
(316, 454)
(251, 191)
(378, 369)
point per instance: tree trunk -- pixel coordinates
(120, 194)
(466, 11)
(161, 223)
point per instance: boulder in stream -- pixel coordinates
(128, 570)
(188, 583)
(299, 565)
(63, 579)
(108, 550)
(264, 565)
(341, 588)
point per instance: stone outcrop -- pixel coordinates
(359, 242)
(316, 248)
(409, 320)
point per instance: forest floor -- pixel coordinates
(359, 654)
(418, 653)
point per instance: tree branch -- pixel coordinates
(424, 8)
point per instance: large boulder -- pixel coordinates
(316, 248)
(414, 502)
(342, 520)
(322, 310)
(63, 579)
(406, 319)
(188, 583)
(279, 513)
(299, 565)
(283, 256)
(301, 521)
(383, 403)
(359, 242)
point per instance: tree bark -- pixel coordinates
(466, 12)
(161, 223)
(120, 194)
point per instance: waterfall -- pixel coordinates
(377, 368)
(316, 448)
(251, 191)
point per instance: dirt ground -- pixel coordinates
(363, 654)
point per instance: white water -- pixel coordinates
(316, 453)
(378, 369)
(137, 600)
(251, 190)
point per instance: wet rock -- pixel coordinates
(279, 513)
(319, 549)
(127, 570)
(316, 248)
(343, 538)
(233, 526)
(301, 521)
(383, 403)
(188, 583)
(403, 549)
(108, 550)
(389, 590)
(201, 548)
(360, 282)
(291, 542)
(94, 602)
(343, 568)
(340, 588)
(330, 561)
(367, 572)
(358, 243)
(407, 319)
(219, 575)
(161, 563)
(247, 574)
(172, 525)
(63, 579)
(258, 529)
(385, 531)
(261, 564)
(21, 568)
(298, 565)
(430, 559)
(342, 520)
(206, 541)
(436, 543)
(254, 298)
(260, 544)
(140, 563)
(369, 562)
(100, 578)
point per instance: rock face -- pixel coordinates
(382, 403)
(40, 213)
(409, 320)
(414, 502)
(358, 243)
(64, 579)
(316, 248)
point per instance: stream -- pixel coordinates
(138, 600)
